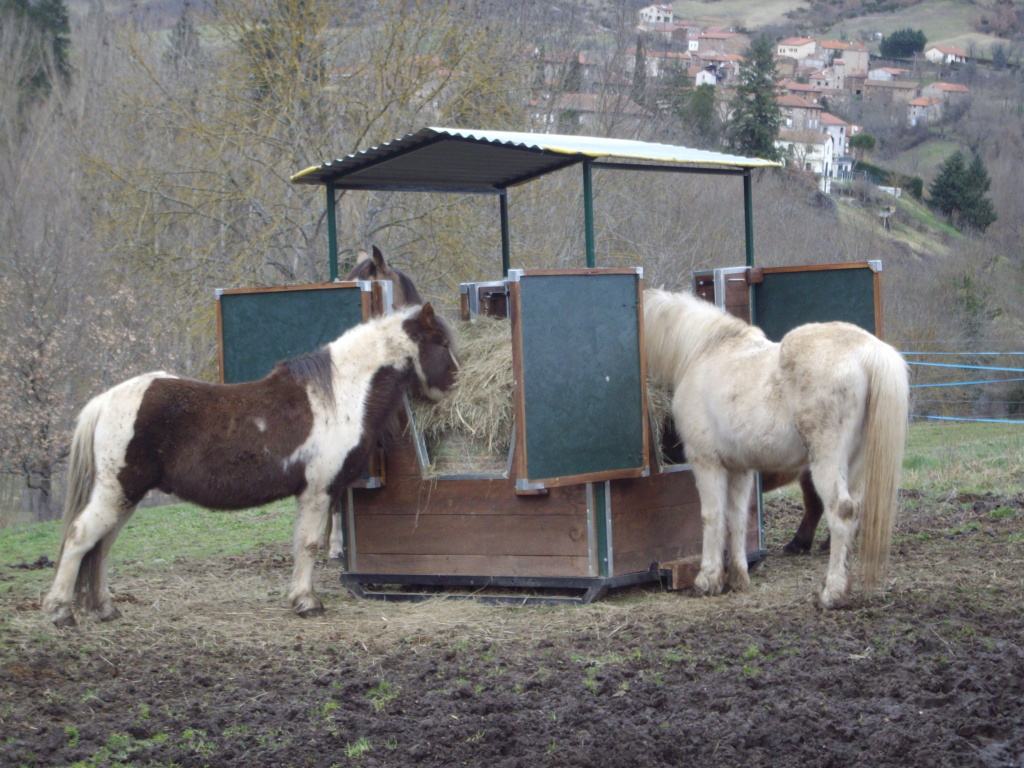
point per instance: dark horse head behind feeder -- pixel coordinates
(305, 430)
(375, 267)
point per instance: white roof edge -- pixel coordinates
(601, 147)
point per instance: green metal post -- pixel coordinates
(332, 233)
(748, 216)
(588, 214)
(748, 226)
(505, 247)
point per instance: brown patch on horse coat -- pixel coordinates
(190, 440)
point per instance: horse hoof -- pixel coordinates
(64, 622)
(740, 582)
(312, 613)
(797, 547)
(828, 601)
(705, 587)
(108, 615)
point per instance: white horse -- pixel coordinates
(306, 430)
(830, 397)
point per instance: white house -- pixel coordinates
(798, 48)
(838, 129)
(888, 73)
(809, 151)
(945, 54)
(660, 13)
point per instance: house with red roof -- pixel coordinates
(923, 110)
(796, 48)
(799, 114)
(723, 42)
(945, 54)
(839, 130)
(951, 93)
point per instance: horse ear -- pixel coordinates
(378, 259)
(363, 256)
(427, 316)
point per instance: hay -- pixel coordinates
(470, 431)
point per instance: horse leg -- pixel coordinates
(712, 489)
(813, 509)
(336, 541)
(736, 515)
(841, 514)
(83, 560)
(311, 517)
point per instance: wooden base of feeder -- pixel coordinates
(477, 534)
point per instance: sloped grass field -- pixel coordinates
(207, 667)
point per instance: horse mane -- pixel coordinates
(679, 328)
(314, 369)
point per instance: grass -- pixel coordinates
(944, 22)
(941, 457)
(163, 533)
(954, 457)
(748, 14)
(918, 215)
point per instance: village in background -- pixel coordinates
(158, 170)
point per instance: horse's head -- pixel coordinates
(437, 361)
(375, 267)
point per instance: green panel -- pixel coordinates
(581, 374)
(261, 328)
(788, 299)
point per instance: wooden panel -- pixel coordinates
(545, 535)
(737, 296)
(476, 565)
(704, 286)
(654, 519)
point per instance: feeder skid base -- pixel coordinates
(429, 536)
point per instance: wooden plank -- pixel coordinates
(475, 565)
(682, 572)
(668, 489)
(737, 297)
(515, 535)
(486, 498)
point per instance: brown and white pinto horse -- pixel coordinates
(829, 397)
(305, 430)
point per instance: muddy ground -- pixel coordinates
(207, 668)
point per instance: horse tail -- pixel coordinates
(80, 480)
(885, 434)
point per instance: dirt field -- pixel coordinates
(207, 668)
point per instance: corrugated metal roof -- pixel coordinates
(463, 160)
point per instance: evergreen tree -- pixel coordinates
(572, 76)
(47, 22)
(958, 192)
(638, 93)
(755, 114)
(695, 110)
(902, 44)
